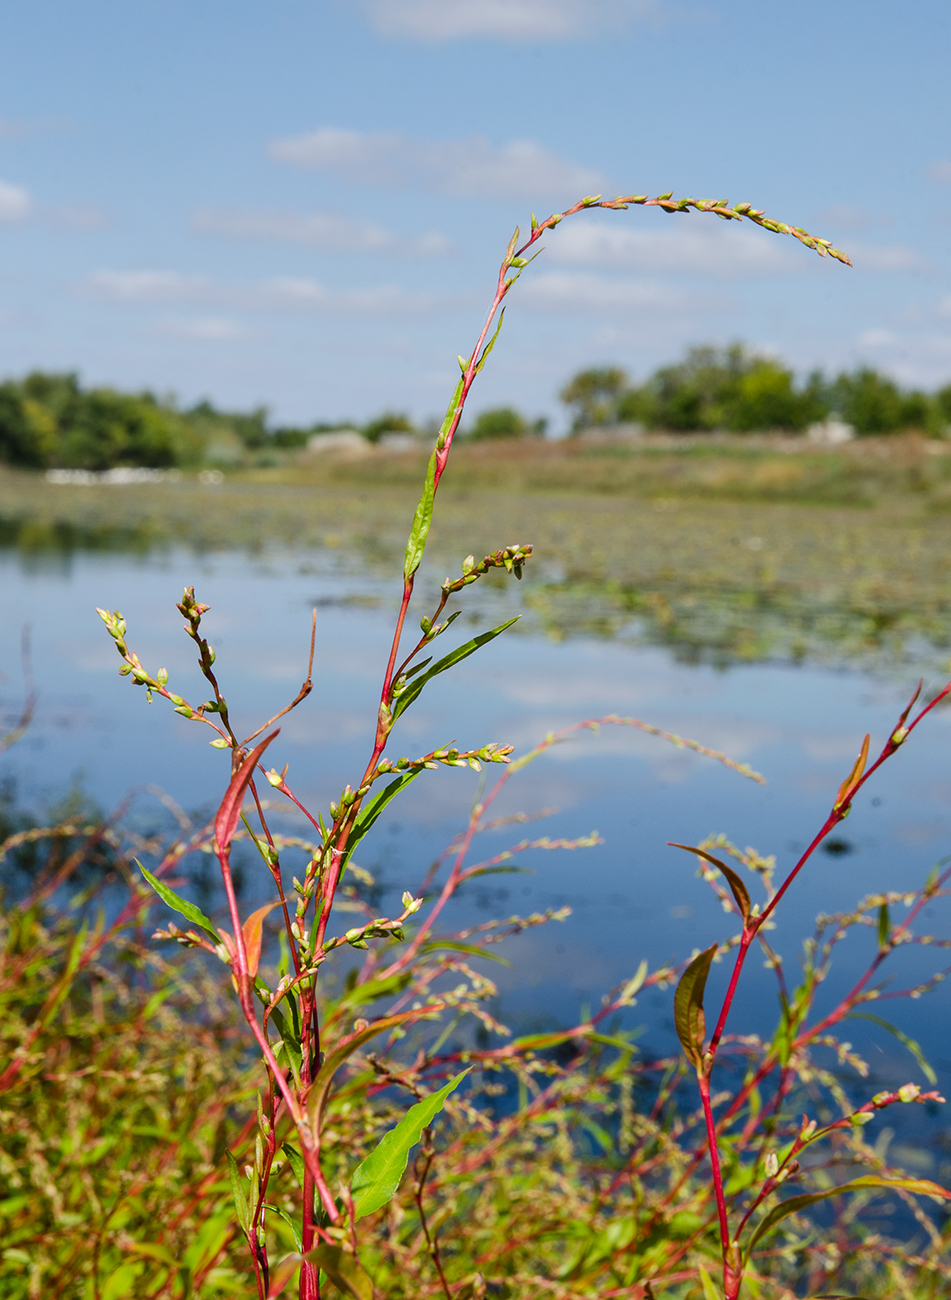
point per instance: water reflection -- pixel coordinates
(632, 897)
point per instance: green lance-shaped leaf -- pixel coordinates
(344, 1270)
(182, 905)
(373, 807)
(688, 1006)
(491, 343)
(737, 886)
(237, 1191)
(296, 1162)
(375, 1180)
(402, 701)
(416, 542)
(922, 1186)
(884, 926)
(320, 1088)
(910, 1043)
(710, 1290)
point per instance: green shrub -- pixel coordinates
(500, 422)
(388, 422)
(593, 396)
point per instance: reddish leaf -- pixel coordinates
(227, 819)
(688, 1006)
(252, 936)
(847, 788)
(736, 883)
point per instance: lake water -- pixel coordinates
(631, 897)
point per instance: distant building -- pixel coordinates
(342, 442)
(829, 433)
(399, 442)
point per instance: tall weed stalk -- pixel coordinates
(637, 1193)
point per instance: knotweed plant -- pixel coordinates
(483, 1218)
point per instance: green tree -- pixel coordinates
(593, 396)
(500, 422)
(868, 401)
(766, 399)
(724, 388)
(25, 439)
(388, 422)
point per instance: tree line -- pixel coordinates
(735, 389)
(51, 420)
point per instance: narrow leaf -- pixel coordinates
(847, 788)
(402, 702)
(688, 1006)
(737, 886)
(710, 1292)
(252, 931)
(884, 926)
(369, 991)
(295, 1230)
(321, 1085)
(296, 1162)
(373, 807)
(376, 1179)
(182, 905)
(922, 1186)
(471, 949)
(416, 542)
(290, 1041)
(343, 1269)
(237, 1191)
(491, 343)
(282, 1274)
(910, 1043)
(227, 819)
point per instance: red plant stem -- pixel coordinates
(276, 875)
(309, 1273)
(703, 1082)
(732, 1277)
(243, 981)
(838, 813)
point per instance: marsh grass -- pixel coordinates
(713, 580)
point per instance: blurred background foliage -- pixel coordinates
(52, 421)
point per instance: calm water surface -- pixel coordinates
(631, 897)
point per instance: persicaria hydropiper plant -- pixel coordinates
(665, 1237)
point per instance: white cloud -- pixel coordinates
(884, 257)
(566, 291)
(725, 252)
(877, 338)
(919, 357)
(475, 166)
(940, 171)
(148, 286)
(208, 329)
(76, 216)
(709, 250)
(512, 20)
(15, 204)
(328, 231)
(280, 293)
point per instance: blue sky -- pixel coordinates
(302, 203)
